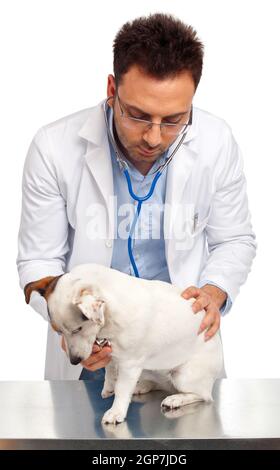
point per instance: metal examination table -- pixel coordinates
(67, 415)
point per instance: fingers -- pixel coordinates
(212, 330)
(98, 359)
(99, 355)
(202, 298)
(191, 291)
(201, 302)
(96, 348)
(210, 323)
(97, 365)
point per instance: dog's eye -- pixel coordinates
(76, 331)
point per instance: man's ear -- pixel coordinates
(92, 307)
(44, 286)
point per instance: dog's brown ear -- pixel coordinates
(44, 286)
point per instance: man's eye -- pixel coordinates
(137, 117)
(172, 121)
(76, 331)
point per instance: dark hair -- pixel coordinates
(161, 45)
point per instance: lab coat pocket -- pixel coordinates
(200, 220)
(192, 229)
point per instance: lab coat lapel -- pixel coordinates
(98, 157)
(178, 174)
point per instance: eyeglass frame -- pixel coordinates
(165, 125)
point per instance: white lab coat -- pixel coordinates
(67, 197)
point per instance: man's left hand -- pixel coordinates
(211, 298)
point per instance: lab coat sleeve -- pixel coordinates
(230, 238)
(43, 232)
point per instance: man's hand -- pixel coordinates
(211, 298)
(100, 357)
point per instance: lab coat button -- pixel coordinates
(108, 243)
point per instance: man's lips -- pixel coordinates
(148, 152)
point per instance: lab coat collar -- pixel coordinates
(94, 128)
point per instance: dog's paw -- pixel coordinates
(180, 399)
(144, 386)
(171, 402)
(107, 393)
(113, 417)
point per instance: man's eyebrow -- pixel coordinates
(147, 114)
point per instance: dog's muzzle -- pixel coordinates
(75, 360)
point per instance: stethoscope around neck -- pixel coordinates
(124, 167)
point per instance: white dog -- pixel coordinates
(152, 330)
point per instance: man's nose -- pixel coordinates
(153, 135)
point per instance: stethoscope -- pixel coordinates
(124, 166)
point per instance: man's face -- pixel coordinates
(144, 97)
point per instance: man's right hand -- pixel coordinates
(100, 357)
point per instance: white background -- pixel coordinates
(55, 58)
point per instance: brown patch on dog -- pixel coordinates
(44, 286)
(54, 327)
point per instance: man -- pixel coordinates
(75, 193)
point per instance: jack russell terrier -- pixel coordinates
(151, 328)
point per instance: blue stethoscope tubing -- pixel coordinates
(140, 199)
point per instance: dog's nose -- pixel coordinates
(75, 360)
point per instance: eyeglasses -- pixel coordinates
(167, 128)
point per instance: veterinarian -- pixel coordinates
(77, 201)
